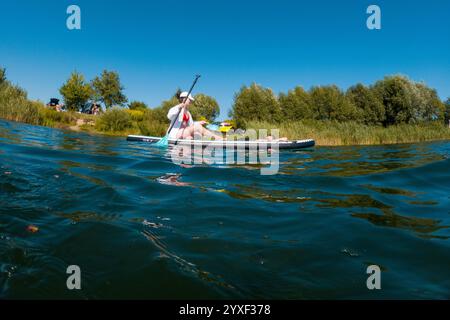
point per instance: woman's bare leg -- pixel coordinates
(270, 138)
(198, 129)
(188, 133)
(205, 132)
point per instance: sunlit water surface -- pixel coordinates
(140, 226)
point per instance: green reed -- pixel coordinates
(331, 133)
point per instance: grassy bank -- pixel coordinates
(330, 116)
(332, 133)
(36, 113)
(114, 122)
(15, 106)
(120, 122)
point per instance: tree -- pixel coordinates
(160, 113)
(203, 106)
(76, 92)
(206, 107)
(109, 89)
(426, 104)
(447, 111)
(406, 101)
(2, 75)
(137, 105)
(368, 103)
(395, 94)
(255, 103)
(330, 103)
(296, 105)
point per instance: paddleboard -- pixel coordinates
(295, 144)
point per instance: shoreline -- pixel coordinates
(85, 125)
(394, 110)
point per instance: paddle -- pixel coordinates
(164, 140)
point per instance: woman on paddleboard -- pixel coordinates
(184, 126)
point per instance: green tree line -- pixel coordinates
(153, 121)
(77, 92)
(391, 101)
(105, 88)
(394, 102)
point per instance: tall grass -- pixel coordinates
(15, 106)
(122, 122)
(151, 124)
(114, 120)
(332, 133)
(52, 118)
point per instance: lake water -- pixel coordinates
(140, 226)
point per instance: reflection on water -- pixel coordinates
(390, 219)
(219, 231)
(387, 216)
(80, 216)
(363, 160)
(172, 180)
(390, 190)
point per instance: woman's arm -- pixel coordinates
(173, 112)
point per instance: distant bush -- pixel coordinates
(51, 117)
(114, 120)
(204, 107)
(163, 108)
(137, 105)
(155, 129)
(255, 103)
(151, 124)
(136, 115)
(447, 111)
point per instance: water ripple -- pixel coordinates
(140, 226)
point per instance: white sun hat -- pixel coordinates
(184, 95)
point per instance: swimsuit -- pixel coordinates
(185, 123)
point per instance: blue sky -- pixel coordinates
(157, 46)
